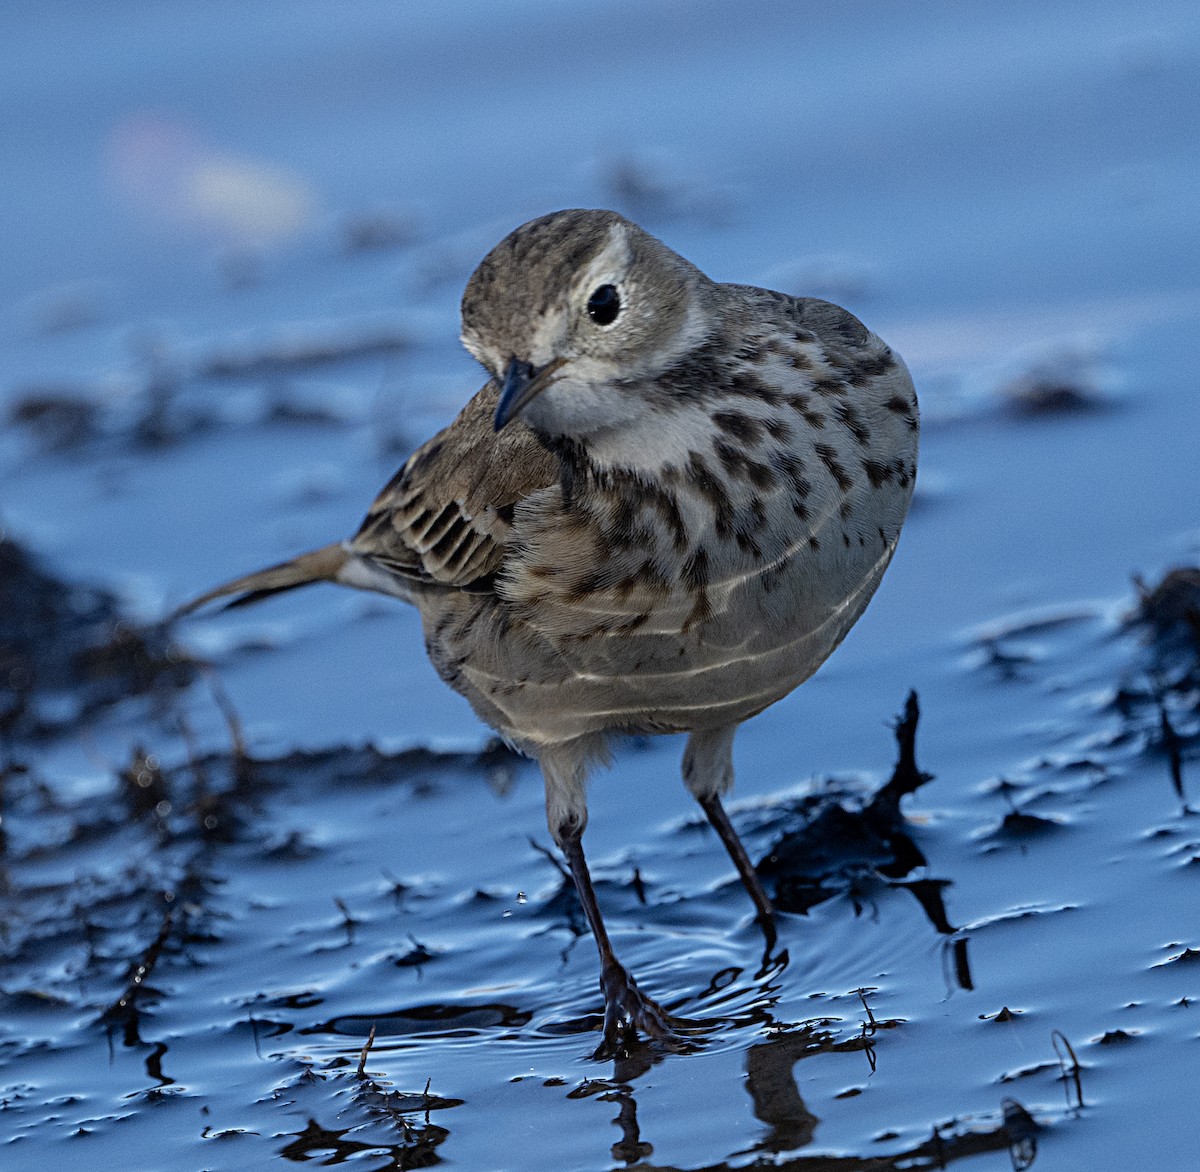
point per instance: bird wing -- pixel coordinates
(446, 516)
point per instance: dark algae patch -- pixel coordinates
(67, 652)
(837, 848)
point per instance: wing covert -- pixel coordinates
(447, 514)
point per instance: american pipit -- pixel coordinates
(663, 511)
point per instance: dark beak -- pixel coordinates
(522, 384)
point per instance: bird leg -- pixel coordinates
(715, 812)
(708, 773)
(626, 1008)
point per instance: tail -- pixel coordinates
(321, 565)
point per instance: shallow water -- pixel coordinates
(208, 381)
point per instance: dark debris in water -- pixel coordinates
(67, 651)
(328, 1146)
(58, 417)
(1170, 610)
(1152, 695)
(380, 230)
(137, 872)
(1165, 702)
(1036, 396)
(167, 397)
(439, 1019)
(301, 350)
(836, 849)
(1061, 384)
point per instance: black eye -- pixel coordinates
(604, 304)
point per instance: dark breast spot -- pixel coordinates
(667, 507)
(620, 529)
(645, 577)
(709, 486)
(792, 469)
(747, 544)
(871, 367)
(878, 474)
(803, 406)
(752, 387)
(848, 416)
(696, 570)
(738, 464)
(836, 470)
(905, 408)
(744, 428)
(761, 475)
(829, 386)
(752, 351)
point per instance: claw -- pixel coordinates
(628, 1011)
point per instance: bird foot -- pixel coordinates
(628, 1011)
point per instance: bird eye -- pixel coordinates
(604, 304)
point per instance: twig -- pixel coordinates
(1174, 749)
(639, 885)
(1022, 1132)
(906, 777)
(348, 921)
(1071, 1075)
(125, 1008)
(233, 722)
(362, 1058)
(862, 996)
(541, 850)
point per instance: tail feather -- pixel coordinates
(321, 565)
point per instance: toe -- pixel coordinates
(628, 1011)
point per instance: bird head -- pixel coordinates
(575, 314)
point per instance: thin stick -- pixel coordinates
(362, 1058)
(1072, 1075)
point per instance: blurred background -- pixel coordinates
(234, 240)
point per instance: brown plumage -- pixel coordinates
(662, 513)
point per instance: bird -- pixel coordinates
(663, 511)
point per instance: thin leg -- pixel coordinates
(626, 1008)
(708, 773)
(715, 812)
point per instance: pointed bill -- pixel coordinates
(522, 384)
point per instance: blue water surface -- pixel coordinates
(195, 197)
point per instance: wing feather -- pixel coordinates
(446, 516)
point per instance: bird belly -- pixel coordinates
(670, 671)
